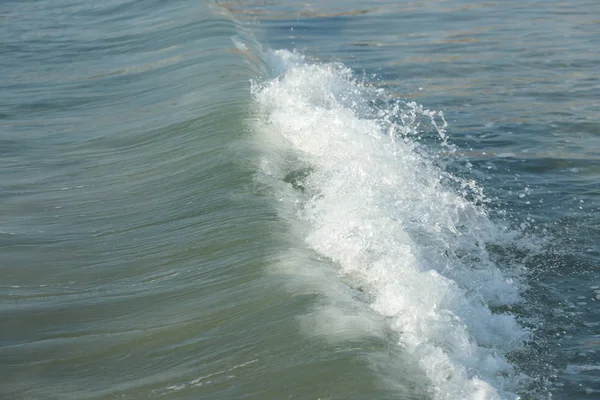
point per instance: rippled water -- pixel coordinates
(331, 200)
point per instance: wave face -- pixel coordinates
(409, 238)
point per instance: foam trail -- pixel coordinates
(381, 210)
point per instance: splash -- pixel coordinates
(350, 175)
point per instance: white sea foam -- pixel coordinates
(352, 182)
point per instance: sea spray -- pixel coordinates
(347, 171)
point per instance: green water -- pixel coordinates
(154, 240)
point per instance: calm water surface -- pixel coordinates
(326, 200)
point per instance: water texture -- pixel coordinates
(330, 200)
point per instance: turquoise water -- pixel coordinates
(270, 200)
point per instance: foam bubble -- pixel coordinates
(345, 170)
